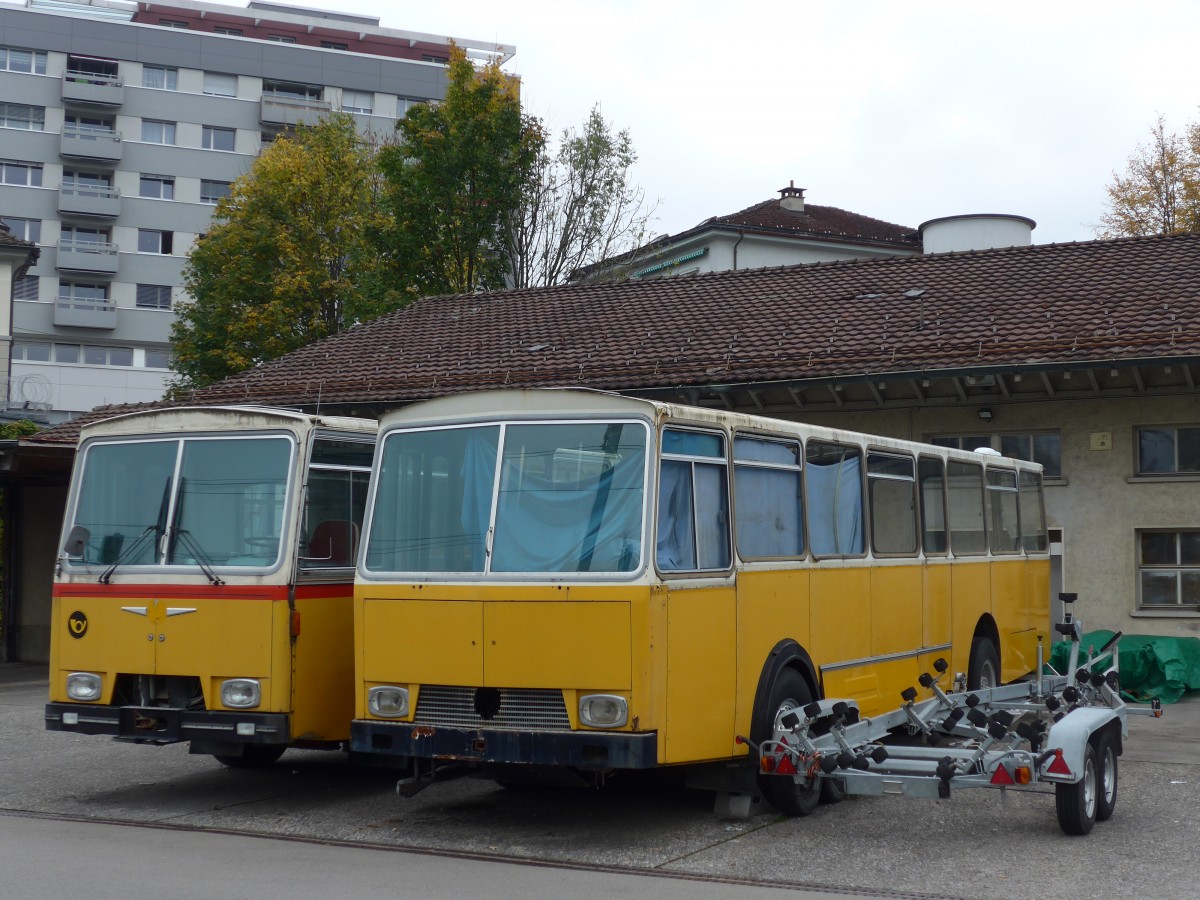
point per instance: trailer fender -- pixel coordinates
(1071, 734)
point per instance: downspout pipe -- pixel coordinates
(741, 235)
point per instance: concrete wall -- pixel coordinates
(37, 519)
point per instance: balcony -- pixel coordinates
(90, 89)
(85, 313)
(87, 256)
(93, 201)
(288, 112)
(85, 143)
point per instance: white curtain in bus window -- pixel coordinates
(1033, 512)
(571, 498)
(933, 506)
(892, 495)
(767, 499)
(124, 494)
(433, 500)
(230, 501)
(693, 503)
(965, 501)
(833, 477)
(1002, 509)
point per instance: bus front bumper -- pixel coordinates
(168, 725)
(581, 749)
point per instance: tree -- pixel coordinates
(1160, 190)
(453, 179)
(288, 258)
(17, 429)
(579, 206)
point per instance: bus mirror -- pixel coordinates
(77, 541)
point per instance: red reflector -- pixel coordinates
(295, 623)
(1059, 766)
(1001, 776)
(785, 767)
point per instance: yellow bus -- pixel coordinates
(203, 589)
(585, 580)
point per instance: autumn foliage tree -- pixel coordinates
(1159, 192)
(288, 257)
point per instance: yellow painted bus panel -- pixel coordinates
(896, 608)
(771, 606)
(323, 669)
(556, 645)
(113, 642)
(937, 618)
(972, 587)
(240, 629)
(422, 641)
(1012, 616)
(841, 607)
(701, 661)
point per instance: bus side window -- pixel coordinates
(693, 504)
(931, 474)
(335, 503)
(968, 536)
(833, 482)
(767, 498)
(1002, 509)
(891, 489)
(1033, 512)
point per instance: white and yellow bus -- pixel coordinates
(586, 580)
(204, 583)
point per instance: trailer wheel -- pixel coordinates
(255, 756)
(983, 670)
(1076, 803)
(1106, 777)
(789, 692)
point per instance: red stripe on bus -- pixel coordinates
(273, 592)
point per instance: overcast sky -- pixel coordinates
(900, 111)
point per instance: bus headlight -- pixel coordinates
(603, 710)
(241, 693)
(388, 702)
(83, 686)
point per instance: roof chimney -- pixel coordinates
(792, 197)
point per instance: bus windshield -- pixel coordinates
(220, 501)
(514, 498)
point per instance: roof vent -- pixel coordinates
(976, 231)
(792, 198)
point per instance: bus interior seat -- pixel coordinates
(334, 542)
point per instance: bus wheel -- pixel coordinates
(983, 671)
(255, 756)
(793, 798)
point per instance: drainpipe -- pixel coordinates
(741, 234)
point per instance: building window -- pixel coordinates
(404, 104)
(440, 60)
(23, 116)
(1169, 450)
(358, 102)
(14, 59)
(88, 184)
(172, 23)
(66, 353)
(1169, 569)
(78, 236)
(31, 351)
(220, 85)
(228, 32)
(25, 229)
(215, 138)
(156, 132)
(154, 296)
(77, 291)
(281, 38)
(154, 241)
(159, 187)
(160, 77)
(27, 174)
(26, 288)
(334, 45)
(157, 359)
(92, 69)
(1043, 447)
(89, 124)
(212, 191)
(293, 90)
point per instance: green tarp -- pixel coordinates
(1151, 666)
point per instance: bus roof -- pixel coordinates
(220, 418)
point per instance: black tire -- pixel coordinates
(983, 670)
(1076, 803)
(788, 692)
(255, 756)
(1106, 777)
(832, 791)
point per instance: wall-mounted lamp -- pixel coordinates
(985, 414)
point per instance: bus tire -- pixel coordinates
(983, 670)
(789, 691)
(1106, 776)
(1076, 803)
(254, 756)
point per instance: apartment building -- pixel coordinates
(122, 125)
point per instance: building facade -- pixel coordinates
(122, 125)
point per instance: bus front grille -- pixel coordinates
(505, 708)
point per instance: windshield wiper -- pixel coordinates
(182, 536)
(156, 529)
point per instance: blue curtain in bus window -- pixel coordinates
(712, 518)
(676, 523)
(584, 523)
(768, 512)
(835, 524)
(478, 474)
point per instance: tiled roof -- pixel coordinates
(1090, 302)
(820, 222)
